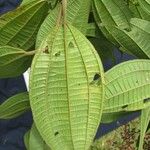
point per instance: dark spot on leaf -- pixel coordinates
(57, 54)
(56, 133)
(147, 100)
(71, 45)
(96, 77)
(136, 81)
(127, 29)
(79, 84)
(125, 106)
(136, 3)
(17, 45)
(46, 50)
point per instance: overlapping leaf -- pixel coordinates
(137, 11)
(15, 106)
(77, 15)
(114, 13)
(128, 86)
(111, 117)
(26, 139)
(35, 140)
(18, 28)
(131, 40)
(117, 27)
(66, 90)
(14, 61)
(145, 4)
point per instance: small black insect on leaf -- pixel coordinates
(46, 50)
(147, 100)
(56, 133)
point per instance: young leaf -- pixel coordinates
(128, 84)
(15, 106)
(77, 15)
(14, 61)
(67, 90)
(18, 28)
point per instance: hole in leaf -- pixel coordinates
(56, 133)
(46, 50)
(57, 54)
(125, 106)
(71, 45)
(147, 100)
(96, 77)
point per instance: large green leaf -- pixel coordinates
(136, 41)
(145, 119)
(67, 90)
(77, 15)
(15, 106)
(18, 28)
(128, 86)
(14, 61)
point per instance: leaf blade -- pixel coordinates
(71, 80)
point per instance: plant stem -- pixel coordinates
(64, 5)
(30, 53)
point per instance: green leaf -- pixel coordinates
(145, 4)
(14, 61)
(18, 28)
(67, 90)
(92, 30)
(26, 139)
(35, 140)
(137, 11)
(77, 15)
(136, 40)
(114, 13)
(14, 106)
(111, 117)
(145, 119)
(128, 86)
